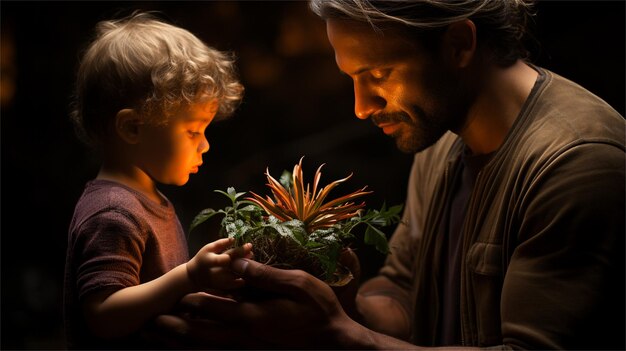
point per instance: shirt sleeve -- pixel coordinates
(108, 247)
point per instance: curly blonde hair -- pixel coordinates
(143, 63)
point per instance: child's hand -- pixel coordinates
(209, 268)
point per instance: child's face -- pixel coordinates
(173, 151)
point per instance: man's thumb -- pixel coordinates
(239, 266)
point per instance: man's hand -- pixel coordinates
(295, 310)
(301, 312)
(347, 293)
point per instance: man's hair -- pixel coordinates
(143, 63)
(500, 24)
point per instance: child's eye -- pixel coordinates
(193, 133)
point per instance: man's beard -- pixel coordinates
(415, 134)
(448, 103)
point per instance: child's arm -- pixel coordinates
(111, 315)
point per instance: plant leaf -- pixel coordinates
(203, 216)
(374, 236)
(294, 214)
(297, 229)
(285, 179)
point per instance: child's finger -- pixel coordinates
(240, 252)
(218, 260)
(219, 245)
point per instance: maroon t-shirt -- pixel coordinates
(118, 238)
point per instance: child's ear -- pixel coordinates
(127, 125)
(459, 43)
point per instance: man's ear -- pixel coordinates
(459, 43)
(127, 125)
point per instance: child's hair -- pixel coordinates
(143, 63)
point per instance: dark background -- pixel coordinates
(296, 104)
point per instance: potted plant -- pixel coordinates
(299, 227)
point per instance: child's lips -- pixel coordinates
(196, 168)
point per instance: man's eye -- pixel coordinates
(379, 73)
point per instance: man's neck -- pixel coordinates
(497, 106)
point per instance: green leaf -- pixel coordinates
(230, 193)
(373, 236)
(384, 217)
(298, 231)
(282, 230)
(249, 234)
(328, 256)
(224, 193)
(395, 209)
(250, 213)
(286, 180)
(203, 216)
(393, 214)
(313, 245)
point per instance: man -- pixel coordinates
(513, 231)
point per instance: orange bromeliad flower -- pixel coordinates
(308, 206)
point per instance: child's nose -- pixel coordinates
(204, 145)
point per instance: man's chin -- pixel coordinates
(414, 145)
(407, 149)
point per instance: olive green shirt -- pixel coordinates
(542, 258)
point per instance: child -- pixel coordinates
(146, 91)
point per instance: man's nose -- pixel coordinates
(366, 101)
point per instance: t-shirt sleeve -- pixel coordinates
(108, 249)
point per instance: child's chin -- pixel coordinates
(180, 182)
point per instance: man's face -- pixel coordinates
(405, 91)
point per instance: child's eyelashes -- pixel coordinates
(194, 134)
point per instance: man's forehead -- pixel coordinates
(355, 41)
(351, 32)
